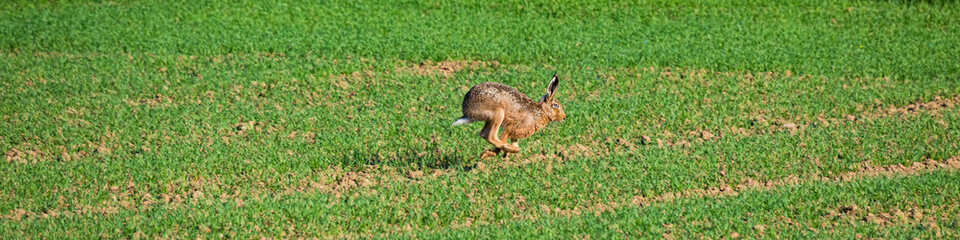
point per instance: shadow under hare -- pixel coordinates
(499, 105)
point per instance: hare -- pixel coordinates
(499, 105)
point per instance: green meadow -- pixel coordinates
(296, 119)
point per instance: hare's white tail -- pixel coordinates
(462, 121)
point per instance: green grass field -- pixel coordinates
(289, 119)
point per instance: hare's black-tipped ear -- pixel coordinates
(553, 85)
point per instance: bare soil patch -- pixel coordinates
(445, 68)
(926, 218)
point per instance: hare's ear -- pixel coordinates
(552, 89)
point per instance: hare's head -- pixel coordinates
(550, 105)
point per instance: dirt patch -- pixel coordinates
(910, 215)
(155, 101)
(247, 126)
(445, 68)
(426, 68)
(237, 131)
(931, 107)
(15, 155)
(339, 181)
(692, 73)
(80, 210)
(42, 54)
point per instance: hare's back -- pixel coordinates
(489, 96)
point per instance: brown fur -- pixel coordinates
(499, 105)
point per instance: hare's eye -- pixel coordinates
(556, 105)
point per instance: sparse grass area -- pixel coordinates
(284, 119)
(921, 206)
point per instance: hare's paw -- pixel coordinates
(510, 148)
(488, 153)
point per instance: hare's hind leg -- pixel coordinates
(491, 129)
(485, 134)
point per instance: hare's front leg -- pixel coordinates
(491, 129)
(494, 151)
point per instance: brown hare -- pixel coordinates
(498, 105)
